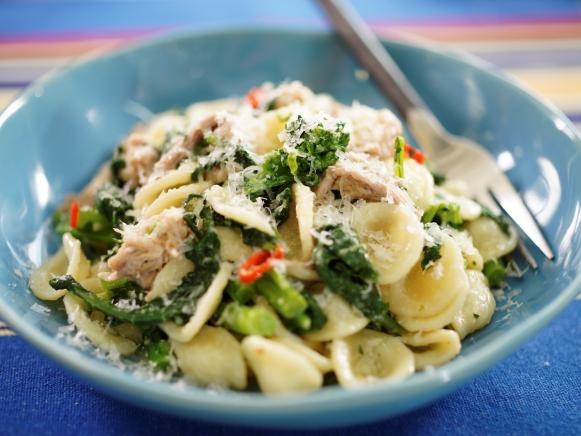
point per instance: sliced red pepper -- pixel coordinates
(74, 220)
(254, 97)
(414, 153)
(259, 263)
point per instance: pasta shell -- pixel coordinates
(368, 357)
(39, 277)
(478, 308)
(239, 208)
(489, 239)
(149, 192)
(278, 368)
(428, 300)
(232, 248)
(342, 318)
(205, 308)
(469, 209)
(173, 198)
(169, 277)
(472, 257)
(393, 237)
(304, 203)
(418, 183)
(99, 335)
(433, 348)
(271, 124)
(213, 357)
(284, 336)
(79, 266)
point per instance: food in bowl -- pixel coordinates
(284, 238)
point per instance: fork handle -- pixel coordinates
(373, 56)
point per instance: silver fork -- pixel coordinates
(457, 157)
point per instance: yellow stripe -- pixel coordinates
(6, 332)
(560, 85)
(7, 95)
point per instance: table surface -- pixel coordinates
(537, 390)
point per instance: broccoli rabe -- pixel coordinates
(93, 230)
(430, 255)
(314, 149)
(114, 204)
(159, 353)
(345, 268)
(248, 320)
(444, 213)
(495, 272)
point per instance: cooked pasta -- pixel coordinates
(284, 238)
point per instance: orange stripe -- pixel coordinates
(513, 31)
(21, 50)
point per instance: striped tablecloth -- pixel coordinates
(537, 390)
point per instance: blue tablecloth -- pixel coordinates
(535, 391)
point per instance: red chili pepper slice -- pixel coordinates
(259, 263)
(75, 207)
(414, 153)
(253, 97)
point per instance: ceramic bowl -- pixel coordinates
(54, 136)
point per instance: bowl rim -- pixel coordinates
(195, 401)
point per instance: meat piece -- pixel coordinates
(139, 160)
(356, 176)
(148, 245)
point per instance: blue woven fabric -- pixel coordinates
(535, 391)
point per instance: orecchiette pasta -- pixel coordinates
(368, 357)
(173, 198)
(97, 333)
(283, 237)
(428, 299)
(169, 277)
(40, 276)
(239, 209)
(213, 357)
(342, 318)
(205, 307)
(278, 368)
(148, 193)
(433, 348)
(304, 203)
(478, 309)
(232, 247)
(79, 266)
(393, 236)
(419, 184)
(489, 239)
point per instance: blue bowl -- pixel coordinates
(53, 137)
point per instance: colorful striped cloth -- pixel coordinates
(537, 41)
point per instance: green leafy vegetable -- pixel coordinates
(430, 255)
(444, 213)
(114, 204)
(439, 178)
(238, 154)
(345, 268)
(159, 353)
(94, 231)
(313, 320)
(240, 292)
(495, 272)
(316, 149)
(399, 147)
(281, 294)
(248, 320)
